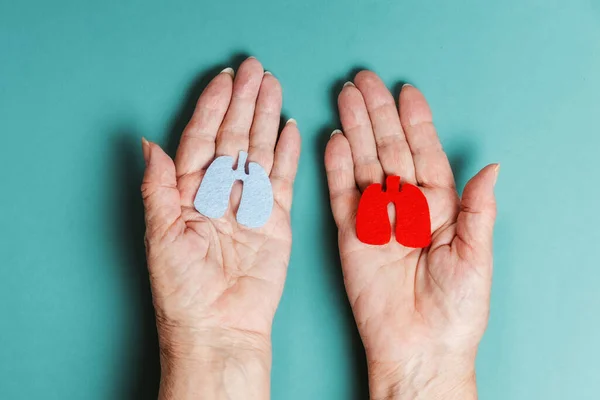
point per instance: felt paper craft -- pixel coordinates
(413, 225)
(212, 198)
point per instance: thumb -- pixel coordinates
(475, 224)
(159, 191)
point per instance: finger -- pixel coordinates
(431, 163)
(475, 224)
(343, 193)
(285, 165)
(197, 145)
(233, 135)
(159, 191)
(359, 135)
(263, 133)
(392, 148)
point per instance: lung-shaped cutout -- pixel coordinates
(212, 198)
(413, 224)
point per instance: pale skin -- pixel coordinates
(216, 284)
(420, 312)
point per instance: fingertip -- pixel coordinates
(289, 139)
(269, 77)
(352, 107)
(337, 151)
(251, 64)
(497, 171)
(371, 87)
(414, 108)
(407, 87)
(336, 138)
(475, 224)
(160, 169)
(146, 150)
(270, 92)
(217, 93)
(290, 125)
(408, 92)
(349, 97)
(490, 173)
(479, 192)
(228, 71)
(152, 146)
(292, 133)
(347, 87)
(158, 158)
(335, 132)
(485, 177)
(365, 76)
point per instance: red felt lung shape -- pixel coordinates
(413, 224)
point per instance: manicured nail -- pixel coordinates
(268, 73)
(291, 121)
(146, 150)
(349, 84)
(497, 171)
(229, 71)
(335, 132)
(406, 85)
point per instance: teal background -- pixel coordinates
(516, 81)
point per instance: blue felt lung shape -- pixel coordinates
(212, 198)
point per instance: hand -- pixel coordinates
(420, 312)
(216, 284)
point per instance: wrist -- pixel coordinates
(218, 375)
(214, 364)
(424, 377)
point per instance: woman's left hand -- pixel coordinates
(216, 284)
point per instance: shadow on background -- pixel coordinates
(461, 153)
(143, 358)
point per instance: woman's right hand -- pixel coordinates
(421, 313)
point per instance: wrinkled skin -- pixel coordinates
(421, 313)
(216, 284)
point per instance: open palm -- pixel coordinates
(214, 276)
(409, 304)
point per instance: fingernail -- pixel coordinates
(349, 84)
(229, 71)
(497, 171)
(291, 121)
(268, 73)
(406, 85)
(146, 150)
(251, 58)
(335, 132)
